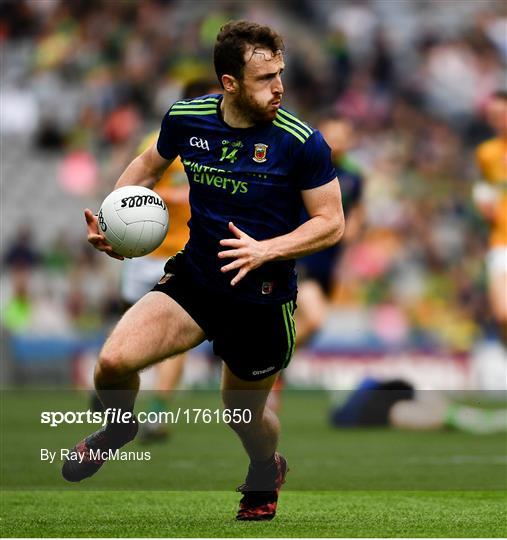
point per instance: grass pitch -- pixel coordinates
(211, 513)
(351, 483)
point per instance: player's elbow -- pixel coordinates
(336, 230)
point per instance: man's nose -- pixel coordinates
(278, 86)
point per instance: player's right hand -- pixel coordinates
(96, 239)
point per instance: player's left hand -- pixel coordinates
(247, 252)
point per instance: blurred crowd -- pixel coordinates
(61, 290)
(86, 79)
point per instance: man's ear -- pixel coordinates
(230, 84)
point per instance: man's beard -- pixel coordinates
(251, 109)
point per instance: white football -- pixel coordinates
(134, 220)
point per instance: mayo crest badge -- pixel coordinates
(260, 151)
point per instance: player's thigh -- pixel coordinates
(498, 294)
(241, 394)
(154, 328)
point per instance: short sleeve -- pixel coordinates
(167, 140)
(313, 165)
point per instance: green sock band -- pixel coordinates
(157, 404)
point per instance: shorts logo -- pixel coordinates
(262, 371)
(267, 287)
(200, 143)
(260, 151)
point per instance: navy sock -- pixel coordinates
(263, 465)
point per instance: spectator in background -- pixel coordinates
(77, 67)
(490, 196)
(17, 312)
(317, 272)
(58, 256)
(22, 253)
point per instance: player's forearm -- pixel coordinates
(314, 235)
(138, 173)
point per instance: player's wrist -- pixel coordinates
(271, 250)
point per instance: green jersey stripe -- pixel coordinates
(294, 126)
(293, 343)
(189, 111)
(207, 100)
(286, 128)
(291, 117)
(192, 106)
(293, 325)
(289, 334)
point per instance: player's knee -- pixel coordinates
(111, 365)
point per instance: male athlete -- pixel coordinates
(490, 196)
(250, 165)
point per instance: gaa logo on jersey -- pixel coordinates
(260, 151)
(200, 143)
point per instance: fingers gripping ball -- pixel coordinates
(134, 220)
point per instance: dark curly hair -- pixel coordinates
(233, 41)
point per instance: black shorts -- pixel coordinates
(254, 340)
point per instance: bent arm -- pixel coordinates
(324, 228)
(145, 170)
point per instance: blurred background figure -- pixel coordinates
(84, 82)
(490, 196)
(21, 252)
(140, 275)
(396, 403)
(319, 273)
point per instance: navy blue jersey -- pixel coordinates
(319, 266)
(251, 176)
